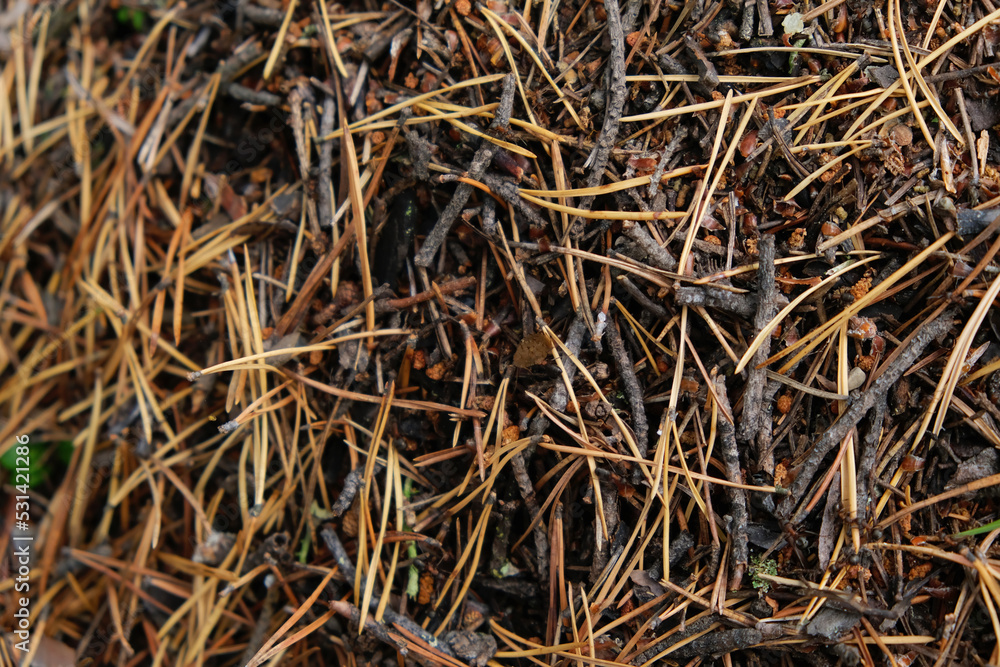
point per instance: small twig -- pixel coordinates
(251, 96)
(263, 15)
(698, 626)
(737, 497)
(336, 548)
(971, 141)
(560, 395)
(227, 71)
(633, 391)
(616, 101)
(260, 629)
(765, 28)
(654, 250)
(706, 70)
(765, 437)
(325, 183)
(507, 190)
(480, 161)
(722, 642)
(779, 136)
(451, 287)
(503, 515)
(611, 519)
(352, 483)
(644, 301)
(746, 27)
(960, 74)
(850, 418)
(750, 422)
(527, 490)
(743, 305)
(490, 218)
(375, 628)
(867, 458)
(668, 153)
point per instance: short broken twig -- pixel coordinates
(480, 161)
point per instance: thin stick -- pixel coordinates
(598, 158)
(750, 422)
(480, 161)
(737, 496)
(912, 348)
(633, 390)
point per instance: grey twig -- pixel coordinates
(352, 483)
(737, 497)
(764, 28)
(227, 71)
(632, 389)
(261, 97)
(508, 191)
(616, 101)
(656, 252)
(743, 305)
(765, 436)
(375, 628)
(668, 153)
(706, 70)
(263, 15)
(332, 541)
(644, 301)
(527, 490)
(480, 161)
(324, 185)
(720, 643)
(490, 218)
(850, 418)
(866, 460)
(746, 28)
(750, 422)
(336, 547)
(560, 395)
(264, 617)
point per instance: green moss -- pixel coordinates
(758, 566)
